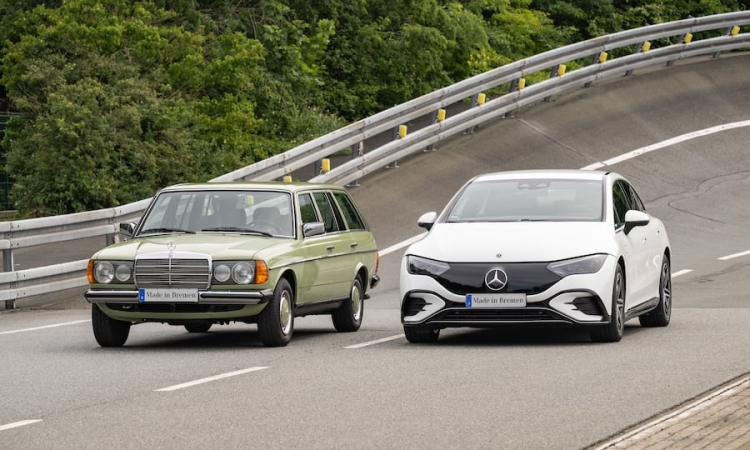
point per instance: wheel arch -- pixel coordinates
(291, 277)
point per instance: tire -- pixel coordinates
(661, 315)
(421, 335)
(107, 331)
(198, 327)
(276, 321)
(348, 317)
(613, 331)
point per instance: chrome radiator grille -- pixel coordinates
(178, 273)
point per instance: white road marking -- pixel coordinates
(681, 272)
(669, 142)
(686, 411)
(209, 379)
(17, 424)
(403, 244)
(735, 255)
(45, 327)
(377, 341)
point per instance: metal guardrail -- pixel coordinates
(25, 233)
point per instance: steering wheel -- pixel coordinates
(265, 225)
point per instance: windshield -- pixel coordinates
(266, 213)
(529, 200)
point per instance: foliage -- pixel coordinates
(120, 97)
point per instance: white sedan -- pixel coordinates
(553, 246)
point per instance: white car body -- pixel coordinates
(522, 249)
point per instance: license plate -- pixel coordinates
(495, 300)
(168, 295)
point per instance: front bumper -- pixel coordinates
(204, 297)
(583, 299)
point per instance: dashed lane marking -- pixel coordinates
(45, 327)
(18, 424)
(377, 341)
(209, 379)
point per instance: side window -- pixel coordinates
(326, 211)
(620, 203)
(635, 201)
(306, 209)
(349, 211)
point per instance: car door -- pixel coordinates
(652, 239)
(633, 246)
(318, 273)
(340, 250)
(362, 246)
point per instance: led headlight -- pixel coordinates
(243, 272)
(104, 272)
(584, 264)
(423, 266)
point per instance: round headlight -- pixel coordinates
(122, 273)
(222, 273)
(104, 272)
(243, 272)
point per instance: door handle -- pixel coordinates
(353, 245)
(330, 248)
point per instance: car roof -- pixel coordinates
(252, 185)
(564, 174)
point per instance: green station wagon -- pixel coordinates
(215, 253)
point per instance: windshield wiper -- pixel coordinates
(239, 230)
(165, 230)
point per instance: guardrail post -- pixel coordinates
(357, 151)
(512, 88)
(474, 103)
(395, 134)
(734, 31)
(554, 73)
(8, 266)
(433, 121)
(317, 168)
(643, 47)
(600, 58)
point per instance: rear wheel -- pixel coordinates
(660, 316)
(107, 331)
(348, 316)
(276, 321)
(198, 327)
(612, 332)
(421, 335)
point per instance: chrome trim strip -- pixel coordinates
(206, 297)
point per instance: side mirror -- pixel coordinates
(313, 229)
(427, 220)
(634, 219)
(128, 228)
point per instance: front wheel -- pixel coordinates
(276, 321)
(661, 315)
(108, 332)
(348, 316)
(421, 335)
(613, 331)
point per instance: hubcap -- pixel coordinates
(356, 302)
(285, 312)
(620, 303)
(666, 289)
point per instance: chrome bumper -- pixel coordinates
(205, 297)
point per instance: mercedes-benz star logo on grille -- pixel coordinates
(496, 279)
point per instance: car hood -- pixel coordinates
(515, 241)
(219, 246)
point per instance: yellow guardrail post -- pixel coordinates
(437, 116)
(556, 71)
(326, 166)
(397, 133)
(734, 31)
(643, 47)
(515, 85)
(287, 178)
(601, 58)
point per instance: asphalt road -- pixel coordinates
(540, 388)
